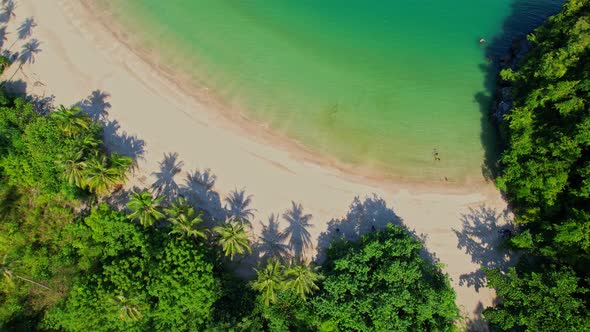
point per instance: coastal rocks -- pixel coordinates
(504, 99)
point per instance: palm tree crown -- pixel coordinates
(184, 220)
(71, 120)
(269, 281)
(303, 279)
(233, 239)
(128, 309)
(73, 168)
(102, 173)
(145, 208)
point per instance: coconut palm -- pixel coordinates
(233, 239)
(71, 120)
(89, 143)
(128, 309)
(73, 168)
(269, 281)
(303, 279)
(8, 274)
(121, 164)
(237, 207)
(179, 206)
(184, 220)
(145, 208)
(299, 237)
(272, 241)
(100, 177)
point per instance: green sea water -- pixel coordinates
(377, 83)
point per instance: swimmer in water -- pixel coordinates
(482, 40)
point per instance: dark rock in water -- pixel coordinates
(506, 93)
(503, 97)
(502, 109)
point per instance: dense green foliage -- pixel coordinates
(71, 262)
(546, 176)
(39, 201)
(382, 284)
(168, 282)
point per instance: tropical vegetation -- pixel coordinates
(546, 176)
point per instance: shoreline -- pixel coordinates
(236, 119)
(80, 56)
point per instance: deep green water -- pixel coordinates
(373, 82)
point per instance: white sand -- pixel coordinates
(80, 55)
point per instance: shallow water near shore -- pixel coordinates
(393, 85)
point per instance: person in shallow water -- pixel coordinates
(435, 154)
(482, 40)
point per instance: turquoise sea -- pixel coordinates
(377, 83)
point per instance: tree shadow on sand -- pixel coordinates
(271, 243)
(198, 189)
(368, 215)
(25, 30)
(165, 184)
(482, 237)
(8, 11)
(238, 206)
(116, 140)
(525, 15)
(476, 323)
(298, 223)
(363, 216)
(43, 105)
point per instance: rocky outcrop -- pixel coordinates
(504, 99)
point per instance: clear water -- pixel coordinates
(379, 83)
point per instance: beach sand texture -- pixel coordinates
(150, 114)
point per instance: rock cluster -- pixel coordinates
(503, 97)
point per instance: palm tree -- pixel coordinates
(99, 176)
(179, 206)
(145, 208)
(8, 274)
(299, 237)
(272, 241)
(238, 206)
(71, 120)
(128, 309)
(73, 168)
(233, 239)
(302, 278)
(121, 164)
(89, 143)
(269, 281)
(184, 220)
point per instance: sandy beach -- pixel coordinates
(152, 114)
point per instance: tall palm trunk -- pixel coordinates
(32, 281)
